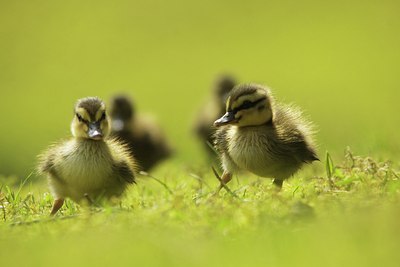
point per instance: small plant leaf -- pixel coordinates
(330, 168)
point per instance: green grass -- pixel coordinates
(347, 216)
(337, 60)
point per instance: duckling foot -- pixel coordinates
(56, 206)
(278, 183)
(226, 177)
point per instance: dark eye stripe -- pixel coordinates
(81, 119)
(248, 104)
(103, 117)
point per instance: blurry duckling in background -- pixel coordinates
(258, 135)
(215, 108)
(142, 135)
(88, 165)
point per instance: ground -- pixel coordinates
(347, 215)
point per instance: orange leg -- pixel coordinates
(56, 206)
(226, 178)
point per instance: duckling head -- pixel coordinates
(121, 112)
(90, 120)
(247, 105)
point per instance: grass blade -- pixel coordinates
(329, 165)
(222, 183)
(158, 180)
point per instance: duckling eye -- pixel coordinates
(246, 104)
(80, 118)
(103, 117)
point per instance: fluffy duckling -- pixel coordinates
(214, 109)
(144, 138)
(261, 136)
(88, 165)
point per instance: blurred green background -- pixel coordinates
(338, 60)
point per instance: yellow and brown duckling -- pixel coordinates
(142, 135)
(88, 166)
(263, 137)
(214, 109)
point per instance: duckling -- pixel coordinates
(263, 137)
(144, 138)
(88, 165)
(214, 109)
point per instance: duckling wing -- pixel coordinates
(124, 172)
(47, 162)
(123, 163)
(302, 151)
(294, 133)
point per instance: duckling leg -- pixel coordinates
(226, 177)
(278, 183)
(56, 206)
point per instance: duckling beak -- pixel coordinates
(228, 118)
(95, 132)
